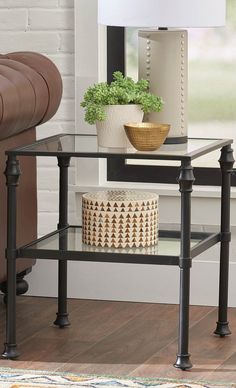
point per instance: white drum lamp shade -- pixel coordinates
(163, 54)
(162, 13)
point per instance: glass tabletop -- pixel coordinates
(86, 146)
(70, 240)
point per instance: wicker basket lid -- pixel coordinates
(120, 200)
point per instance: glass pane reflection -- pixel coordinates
(85, 145)
(71, 240)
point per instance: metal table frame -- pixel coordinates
(184, 260)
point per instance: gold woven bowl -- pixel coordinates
(146, 136)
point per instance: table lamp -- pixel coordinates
(163, 52)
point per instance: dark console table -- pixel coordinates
(65, 243)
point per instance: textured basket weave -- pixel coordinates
(146, 136)
(120, 219)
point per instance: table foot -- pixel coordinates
(222, 329)
(183, 362)
(62, 320)
(10, 351)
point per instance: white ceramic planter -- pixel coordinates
(111, 131)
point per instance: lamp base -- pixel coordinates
(163, 61)
(176, 140)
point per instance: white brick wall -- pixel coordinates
(13, 19)
(51, 19)
(31, 3)
(46, 26)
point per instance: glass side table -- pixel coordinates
(174, 248)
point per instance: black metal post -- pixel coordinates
(12, 174)
(115, 51)
(62, 314)
(226, 163)
(185, 180)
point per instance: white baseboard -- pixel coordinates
(144, 283)
(136, 283)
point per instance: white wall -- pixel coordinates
(45, 26)
(141, 282)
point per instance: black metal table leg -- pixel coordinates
(226, 163)
(12, 173)
(62, 314)
(185, 180)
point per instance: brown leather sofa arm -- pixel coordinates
(30, 94)
(30, 91)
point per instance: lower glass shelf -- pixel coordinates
(66, 244)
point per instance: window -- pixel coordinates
(212, 99)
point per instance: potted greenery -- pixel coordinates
(110, 106)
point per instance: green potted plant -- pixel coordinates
(110, 106)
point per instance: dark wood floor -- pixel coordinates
(119, 338)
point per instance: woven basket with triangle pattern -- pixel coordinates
(120, 219)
